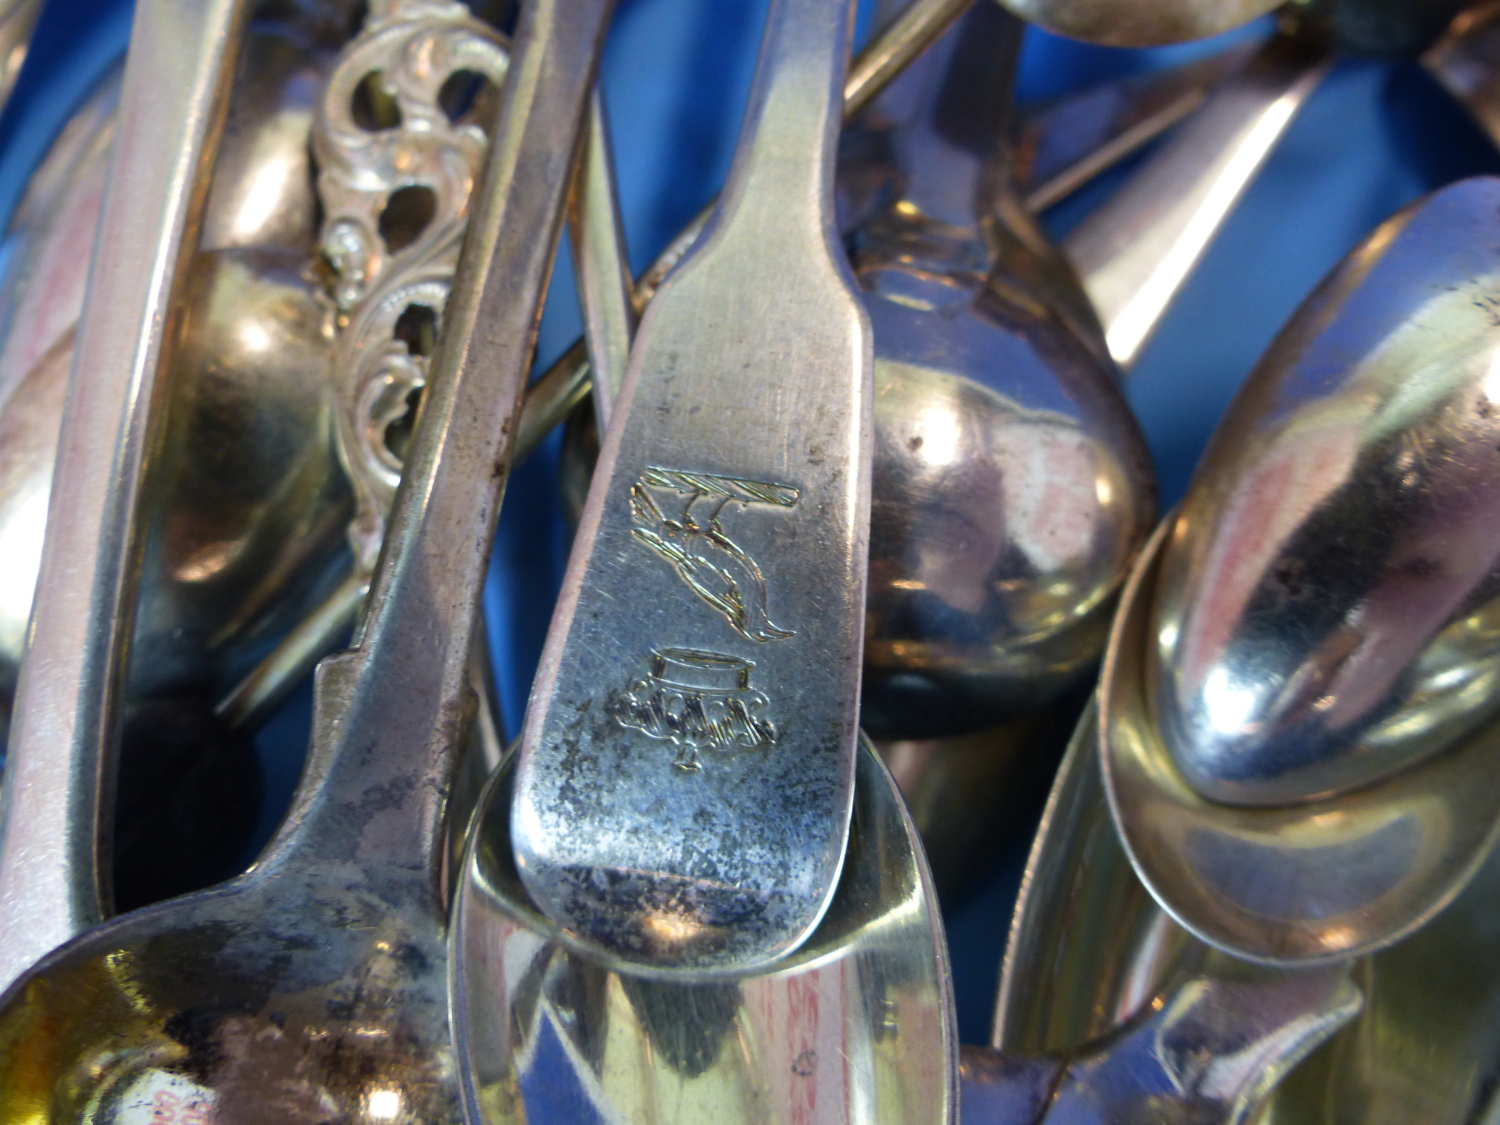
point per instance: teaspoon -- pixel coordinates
(1298, 696)
(315, 985)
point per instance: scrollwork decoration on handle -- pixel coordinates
(399, 146)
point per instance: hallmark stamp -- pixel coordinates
(696, 700)
(714, 567)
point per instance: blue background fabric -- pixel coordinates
(1375, 136)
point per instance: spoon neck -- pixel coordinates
(951, 147)
(779, 193)
(378, 805)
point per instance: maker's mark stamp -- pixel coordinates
(713, 565)
(696, 700)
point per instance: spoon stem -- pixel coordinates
(67, 710)
(605, 287)
(1137, 251)
(391, 713)
(782, 173)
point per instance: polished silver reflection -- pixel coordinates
(246, 498)
(1326, 611)
(1011, 484)
(1089, 949)
(1310, 882)
(855, 1027)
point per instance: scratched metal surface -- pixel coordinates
(676, 72)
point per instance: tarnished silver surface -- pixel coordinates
(696, 706)
(856, 1026)
(1323, 616)
(66, 716)
(1011, 485)
(1090, 949)
(314, 987)
(1131, 23)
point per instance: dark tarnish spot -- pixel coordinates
(379, 798)
(1423, 568)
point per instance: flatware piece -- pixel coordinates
(314, 987)
(686, 770)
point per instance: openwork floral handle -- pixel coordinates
(399, 145)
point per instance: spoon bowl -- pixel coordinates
(248, 501)
(1089, 948)
(198, 1000)
(1325, 612)
(1308, 883)
(856, 1025)
(1132, 23)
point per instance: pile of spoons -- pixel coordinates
(852, 459)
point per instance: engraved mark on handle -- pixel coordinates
(714, 567)
(697, 700)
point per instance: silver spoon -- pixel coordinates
(315, 984)
(1307, 637)
(696, 703)
(855, 1026)
(1092, 966)
(1139, 23)
(1090, 950)
(1012, 485)
(65, 711)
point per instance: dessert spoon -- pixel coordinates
(315, 984)
(696, 704)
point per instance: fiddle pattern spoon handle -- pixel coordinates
(59, 770)
(684, 787)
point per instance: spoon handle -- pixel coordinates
(391, 713)
(686, 767)
(1135, 252)
(605, 290)
(65, 724)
